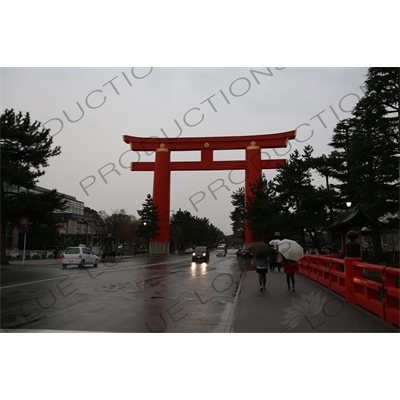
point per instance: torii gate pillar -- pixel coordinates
(161, 197)
(253, 172)
(162, 167)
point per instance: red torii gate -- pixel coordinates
(162, 166)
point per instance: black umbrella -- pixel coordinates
(258, 249)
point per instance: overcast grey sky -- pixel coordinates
(89, 109)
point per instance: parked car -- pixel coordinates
(221, 251)
(201, 253)
(243, 253)
(78, 256)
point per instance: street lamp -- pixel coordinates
(146, 239)
(144, 223)
(348, 204)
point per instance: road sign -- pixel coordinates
(23, 230)
(24, 221)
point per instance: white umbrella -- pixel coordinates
(274, 242)
(290, 249)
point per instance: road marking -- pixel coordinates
(30, 283)
(84, 273)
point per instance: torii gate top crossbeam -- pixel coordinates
(274, 140)
(253, 164)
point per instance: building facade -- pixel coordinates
(72, 220)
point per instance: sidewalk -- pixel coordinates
(310, 309)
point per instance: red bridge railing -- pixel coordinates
(374, 287)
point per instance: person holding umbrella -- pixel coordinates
(260, 251)
(261, 263)
(290, 268)
(291, 252)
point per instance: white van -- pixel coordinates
(221, 250)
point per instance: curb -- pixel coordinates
(231, 318)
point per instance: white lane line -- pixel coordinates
(84, 273)
(31, 283)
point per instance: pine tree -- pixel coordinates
(188, 230)
(237, 216)
(25, 149)
(261, 212)
(325, 167)
(303, 205)
(366, 146)
(182, 230)
(148, 228)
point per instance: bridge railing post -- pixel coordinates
(349, 278)
(352, 256)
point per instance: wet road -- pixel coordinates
(140, 294)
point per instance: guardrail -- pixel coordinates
(373, 287)
(29, 254)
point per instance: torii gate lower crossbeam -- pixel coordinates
(162, 167)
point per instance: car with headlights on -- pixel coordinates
(201, 253)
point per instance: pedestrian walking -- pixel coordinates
(55, 251)
(260, 261)
(278, 261)
(272, 259)
(290, 267)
